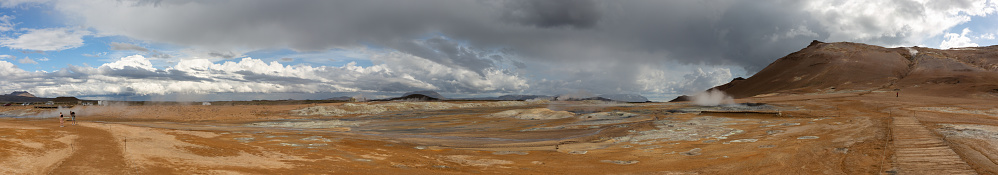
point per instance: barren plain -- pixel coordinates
(871, 132)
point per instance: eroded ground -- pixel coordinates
(836, 133)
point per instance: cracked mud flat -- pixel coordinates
(815, 135)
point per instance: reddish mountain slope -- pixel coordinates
(830, 67)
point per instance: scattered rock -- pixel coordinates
(767, 146)
(771, 132)
(578, 152)
(420, 147)
(651, 147)
(789, 124)
(537, 163)
(620, 162)
(842, 150)
(692, 152)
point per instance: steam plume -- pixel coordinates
(712, 97)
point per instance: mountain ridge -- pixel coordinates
(828, 67)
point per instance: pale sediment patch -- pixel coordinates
(467, 160)
(309, 124)
(364, 108)
(979, 143)
(989, 112)
(705, 127)
(532, 114)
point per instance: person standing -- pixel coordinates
(61, 120)
(73, 116)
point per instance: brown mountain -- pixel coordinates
(21, 94)
(831, 67)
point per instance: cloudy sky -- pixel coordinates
(253, 49)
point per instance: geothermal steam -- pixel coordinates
(712, 97)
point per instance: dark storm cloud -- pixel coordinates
(139, 73)
(126, 46)
(447, 52)
(553, 13)
(746, 33)
(600, 46)
(250, 76)
(225, 55)
(559, 31)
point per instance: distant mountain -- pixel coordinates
(520, 97)
(682, 98)
(625, 97)
(340, 98)
(415, 97)
(433, 94)
(563, 98)
(21, 94)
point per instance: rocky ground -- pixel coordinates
(834, 133)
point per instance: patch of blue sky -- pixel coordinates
(978, 25)
(34, 17)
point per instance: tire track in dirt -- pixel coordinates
(918, 151)
(95, 152)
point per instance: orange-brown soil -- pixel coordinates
(832, 133)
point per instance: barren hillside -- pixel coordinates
(834, 67)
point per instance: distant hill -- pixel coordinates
(433, 94)
(22, 96)
(520, 97)
(828, 67)
(625, 97)
(340, 98)
(415, 97)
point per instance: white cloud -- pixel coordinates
(27, 60)
(43, 59)
(136, 74)
(136, 61)
(9, 70)
(894, 22)
(3, 57)
(799, 31)
(988, 36)
(6, 23)
(49, 39)
(954, 40)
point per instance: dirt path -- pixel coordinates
(917, 151)
(95, 152)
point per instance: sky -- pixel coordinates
(184, 50)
